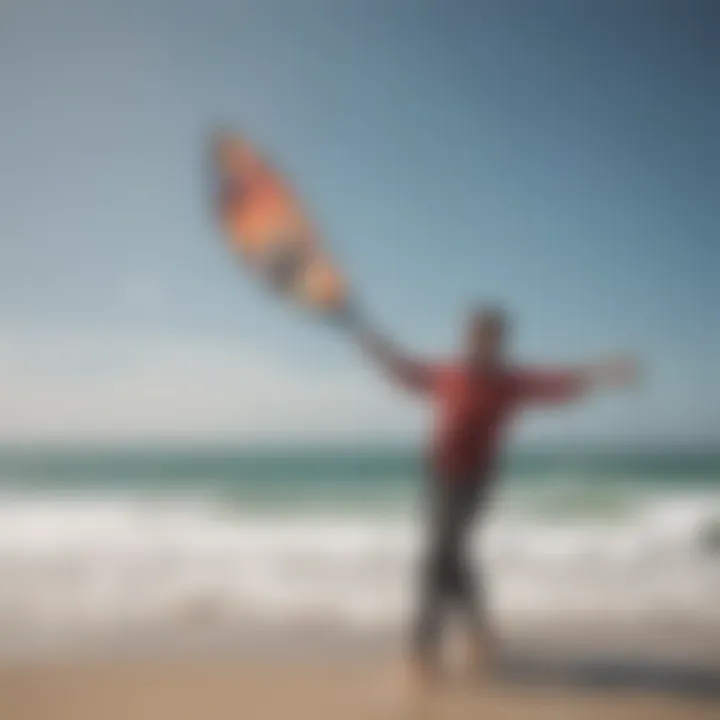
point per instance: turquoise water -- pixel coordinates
(573, 479)
(545, 486)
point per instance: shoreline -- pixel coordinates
(647, 653)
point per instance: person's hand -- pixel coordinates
(616, 372)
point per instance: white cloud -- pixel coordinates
(102, 387)
(65, 386)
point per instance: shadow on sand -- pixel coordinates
(609, 674)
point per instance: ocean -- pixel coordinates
(98, 540)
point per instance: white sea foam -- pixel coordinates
(100, 564)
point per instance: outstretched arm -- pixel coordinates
(407, 372)
(546, 386)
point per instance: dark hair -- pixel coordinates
(492, 313)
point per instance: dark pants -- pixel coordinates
(447, 579)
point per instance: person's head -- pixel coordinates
(486, 335)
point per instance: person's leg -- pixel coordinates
(437, 579)
(468, 586)
(465, 589)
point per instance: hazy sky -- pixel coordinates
(562, 157)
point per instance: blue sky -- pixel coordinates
(560, 157)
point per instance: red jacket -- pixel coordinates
(473, 408)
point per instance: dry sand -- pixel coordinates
(182, 690)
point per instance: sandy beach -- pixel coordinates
(227, 689)
(620, 673)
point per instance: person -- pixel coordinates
(474, 397)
